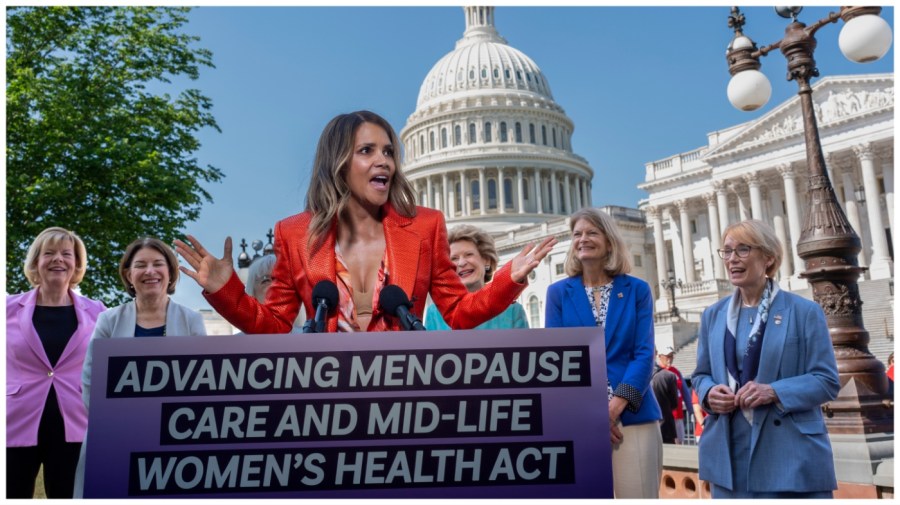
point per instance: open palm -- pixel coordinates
(211, 273)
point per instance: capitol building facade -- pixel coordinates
(489, 146)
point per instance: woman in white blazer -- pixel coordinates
(149, 271)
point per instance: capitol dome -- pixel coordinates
(481, 64)
(486, 124)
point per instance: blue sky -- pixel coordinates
(640, 84)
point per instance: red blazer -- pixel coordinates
(418, 260)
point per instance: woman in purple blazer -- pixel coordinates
(47, 332)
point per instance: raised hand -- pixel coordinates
(211, 273)
(530, 258)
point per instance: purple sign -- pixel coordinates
(467, 414)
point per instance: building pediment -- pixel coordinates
(836, 100)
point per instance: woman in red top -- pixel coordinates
(362, 231)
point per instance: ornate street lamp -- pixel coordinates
(669, 284)
(827, 244)
(244, 259)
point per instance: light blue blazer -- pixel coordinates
(789, 447)
(628, 334)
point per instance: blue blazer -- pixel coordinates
(789, 447)
(628, 335)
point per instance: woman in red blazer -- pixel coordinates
(47, 333)
(362, 231)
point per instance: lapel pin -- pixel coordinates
(778, 319)
(621, 295)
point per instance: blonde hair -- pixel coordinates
(149, 243)
(618, 260)
(756, 233)
(328, 194)
(482, 241)
(53, 236)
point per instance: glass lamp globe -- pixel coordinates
(749, 90)
(865, 38)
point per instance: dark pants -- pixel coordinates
(58, 457)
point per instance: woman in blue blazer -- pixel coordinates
(765, 366)
(599, 293)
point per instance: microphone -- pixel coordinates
(325, 300)
(393, 300)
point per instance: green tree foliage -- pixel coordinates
(95, 143)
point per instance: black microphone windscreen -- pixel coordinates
(392, 297)
(328, 291)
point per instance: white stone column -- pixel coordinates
(738, 191)
(886, 155)
(465, 194)
(715, 235)
(520, 190)
(756, 204)
(851, 208)
(482, 192)
(780, 232)
(721, 189)
(880, 267)
(578, 200)
(538, 184)
(792, 202)
(660, 244)
(687, 241)
(429, 189)
(445, 196)
(677, 264)
(568, 194)
(501, 191)
(589, 198)
(554, 194)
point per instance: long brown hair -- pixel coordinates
(328, 194)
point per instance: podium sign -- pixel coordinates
(465, 414)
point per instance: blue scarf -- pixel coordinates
(750, 359)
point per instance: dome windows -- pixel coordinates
(472, 136)
(518, 132)
(504, 136)
(457, 135)
(496, 73)
(531, 133)
(444, 138)
(506, 73)
(487, 132)
(544, 134)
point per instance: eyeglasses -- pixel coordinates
(742, 251)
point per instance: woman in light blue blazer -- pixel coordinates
(765, 366)
(149, 271)
(599, 293)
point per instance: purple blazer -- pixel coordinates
(29, 374)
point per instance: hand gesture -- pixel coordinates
(720, 399)
(530, 258)
(752, 395)
(211, 273)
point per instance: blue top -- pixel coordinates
(628, 335)
(512, 317)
